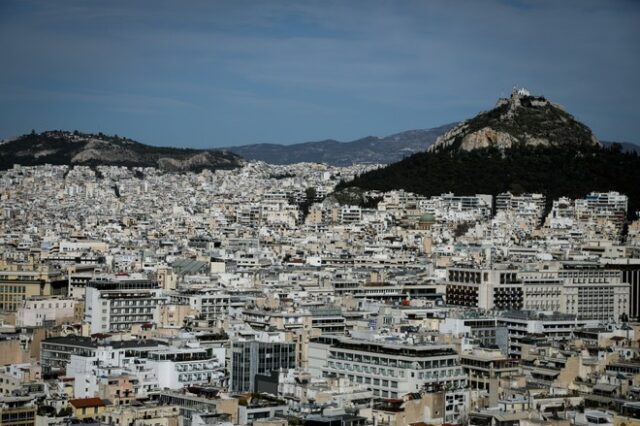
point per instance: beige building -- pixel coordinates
(428, 408)
(88, 408)
(13, 352)
(19, 285)
(175, 315)
(117, 389)
(145, 415)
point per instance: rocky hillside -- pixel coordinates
(521, 119)
(61, 147)
(371, 149)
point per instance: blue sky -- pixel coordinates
(223, 73)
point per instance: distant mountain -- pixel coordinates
(370, 149)
(625, 146)
(70, 148)
(524, 145)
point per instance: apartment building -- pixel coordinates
(213, 305)
(485, 368)
(479, 204)
(486, 288)
(18, 410)
(471, 324)
(118, 305)
(391, 368)
(514, 326)
(350, 214)
(39, 311)
(611, 206)
(523, 205)
(177, 367)
(56, 352)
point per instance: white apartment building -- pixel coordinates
(597, 208)
(39, 311)
(249, 215)
(350, 214)
(177, 367)
(562, 214)
(522, 205)
(514, 326)
(479, 204)
(103, 359)
(152, 367)
(602, 205)
(212, 305)
(391, 368)
(14, 376)
(118, 305)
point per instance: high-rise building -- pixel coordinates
(251, 358)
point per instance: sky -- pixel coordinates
(222, 73)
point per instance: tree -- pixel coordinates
(310, 197)
(310, 194)
(461, 229)
(64, 412)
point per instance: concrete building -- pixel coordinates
(118, 305)
(391, 368)
(56, 352)
(39, 311)
(250, 358)
(177, 367)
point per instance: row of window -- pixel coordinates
(51, 305)
(12, 289)
(449, 372)
(186, 378)
(130, 311)
(139, 302)
(391, 362)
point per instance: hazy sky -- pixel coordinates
(220, 73)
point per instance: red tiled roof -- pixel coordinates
(87, 402)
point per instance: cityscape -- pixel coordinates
(481, 270)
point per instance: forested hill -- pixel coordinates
(555, 171)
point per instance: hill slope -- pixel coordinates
(370, 149)
(60, 147)
(521, 119)
(555, 167)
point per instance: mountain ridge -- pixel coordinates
(75, 148)
(96, 150)
(369, 149)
